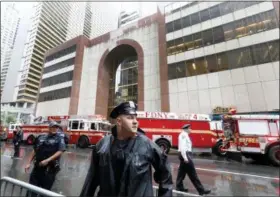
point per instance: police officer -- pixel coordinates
(17, 140)
(186, 163)
(121, 162)
(47, 150)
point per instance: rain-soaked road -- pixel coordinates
(224, 178)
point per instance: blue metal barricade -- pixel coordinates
(14, 187)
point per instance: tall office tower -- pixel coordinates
(103, 22)
(128, 17)
(48, 29)
(9, 26)
(80, 20)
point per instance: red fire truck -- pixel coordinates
(255, 136)
(80, 130)
(164, 128)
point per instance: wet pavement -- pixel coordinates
(223, 177)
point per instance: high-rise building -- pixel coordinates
(48, 29)
(201, 57)
(9, 27)
(102, 22)
(223, 54)
(127, 17)
(80, 20)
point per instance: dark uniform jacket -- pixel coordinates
(17, 136)
(47, 145)
(137, 175)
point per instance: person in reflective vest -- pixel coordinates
(121, 162)
(186, 163)
(46, 154)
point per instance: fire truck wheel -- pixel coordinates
(274, 155)
(30, 140)
(217, 149)
(164, 145)
(83, 142)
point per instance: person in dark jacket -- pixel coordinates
(121, 162)
(46, 154)
(18, 134)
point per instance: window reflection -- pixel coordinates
(239, 58)
(209, 13)
(123, 83)
(211, 62)
(261, 53)
(237, 29)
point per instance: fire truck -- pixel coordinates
(80, 130)
(164, 128)
(254, 136)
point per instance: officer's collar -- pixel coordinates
(115, 133)
(52, 134)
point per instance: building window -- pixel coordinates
(61, 53)
(190, 68)
(233, 30)
(55, 94)
(204, 15)
(200, 66)
(226, 8)
(179, 44)
(186, 21)
(172, 71)
(240, 28)
(61, 78)
(170, 47)
(261, 53)
(195, 19)
(211, 63)
(218, 35)
(222, 61)
(181, 69)
(188, 42)
(59, 65)
(197, 38)
(239, 58)
(215, 12)
(273, 48)
(207, 37)
(177, 25)
(169, 27)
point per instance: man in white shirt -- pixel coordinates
(186, 163)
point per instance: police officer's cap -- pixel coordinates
(125, 108)
(53, 124)
(186, 126)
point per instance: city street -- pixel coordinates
(223, 177)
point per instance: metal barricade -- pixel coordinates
(175, 193)
(14, 187)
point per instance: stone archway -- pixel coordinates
(123, 48)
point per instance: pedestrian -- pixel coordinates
(186, 163)
(17, 138)
(121, 162)
(46, 154)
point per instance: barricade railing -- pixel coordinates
(14, 187)
(175, 192)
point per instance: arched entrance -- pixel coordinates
(120, 77)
